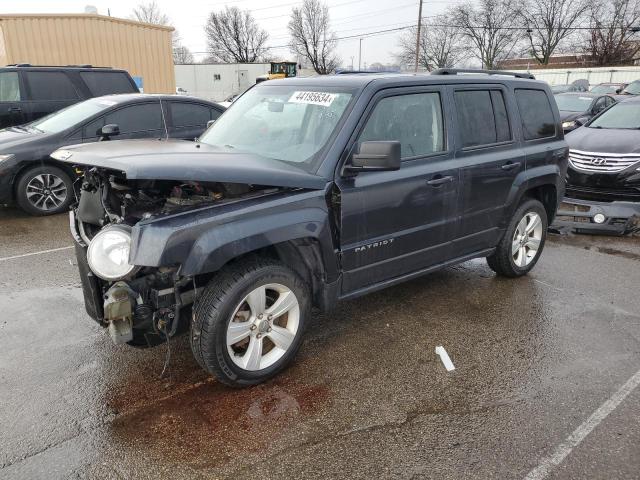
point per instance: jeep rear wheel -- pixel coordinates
(521, 246)
(249, 322)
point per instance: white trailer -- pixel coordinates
(218, 81)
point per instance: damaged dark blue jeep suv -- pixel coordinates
(308, 191)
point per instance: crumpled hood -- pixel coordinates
(604, 140)
(183, 160)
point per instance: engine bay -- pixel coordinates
(105, 197)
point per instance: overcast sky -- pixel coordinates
(348, 17)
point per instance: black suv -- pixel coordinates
(308, 191)
(29, 92)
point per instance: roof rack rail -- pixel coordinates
(369, 72)
(455, 71)
(83, 65)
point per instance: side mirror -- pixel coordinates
(376, 157)
(109, 131)
(210, 122)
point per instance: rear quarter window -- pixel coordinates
(535, 113)
(106, 83)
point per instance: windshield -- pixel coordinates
(573, 103)
(621, 115)
(605, 89)
(289, 123)
(633, 88)
(71, 116)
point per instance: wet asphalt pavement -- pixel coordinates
(367, 397)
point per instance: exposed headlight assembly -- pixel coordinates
(570, 124)
(108, 253)
(5, 157)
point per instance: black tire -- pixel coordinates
(28, 206)
(213, 312)
(502, 261)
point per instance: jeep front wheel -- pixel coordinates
(249, 322)
(523, 241)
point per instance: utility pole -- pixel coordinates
(360, 56)
(418, 35)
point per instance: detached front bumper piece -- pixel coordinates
(604, 218)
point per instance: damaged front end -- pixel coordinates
(139, 305)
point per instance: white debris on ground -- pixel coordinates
(444, 356)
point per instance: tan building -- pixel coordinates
(143, 49)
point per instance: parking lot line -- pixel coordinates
(4, 259)
(579, 434)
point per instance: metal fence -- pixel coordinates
(559, 76)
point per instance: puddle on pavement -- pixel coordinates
(627, 247)
(210, 423)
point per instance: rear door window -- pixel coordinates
(482, 117)
(50, 86)
(137, 118)
(186, 114)
(107, 83)
(415, 120)
(535, 113)
(9, 87)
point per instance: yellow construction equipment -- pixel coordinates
(279, 70)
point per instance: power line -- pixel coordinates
(398, 29)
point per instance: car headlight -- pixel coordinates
(5, 157)
(570, 124)
(108, 253)
(61, 154)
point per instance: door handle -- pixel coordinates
(439, 180)
(15, 109)
(510, 165)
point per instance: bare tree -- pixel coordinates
(311, 37)
(609, 41)
(235, 36)
(182, 55)
(549, 22)
(150, 13)
(492, 27)
(440, 45)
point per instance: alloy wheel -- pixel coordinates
(46, 191)
(526, 239)
(263, 327)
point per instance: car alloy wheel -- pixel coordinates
(526, 239)
(46, 191)
(263, 327)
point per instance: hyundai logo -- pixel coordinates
(598, 161)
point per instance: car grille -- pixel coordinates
(600, 194)
(601, 162)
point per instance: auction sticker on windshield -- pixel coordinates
(313, 98)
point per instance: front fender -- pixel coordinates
(203, 240)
